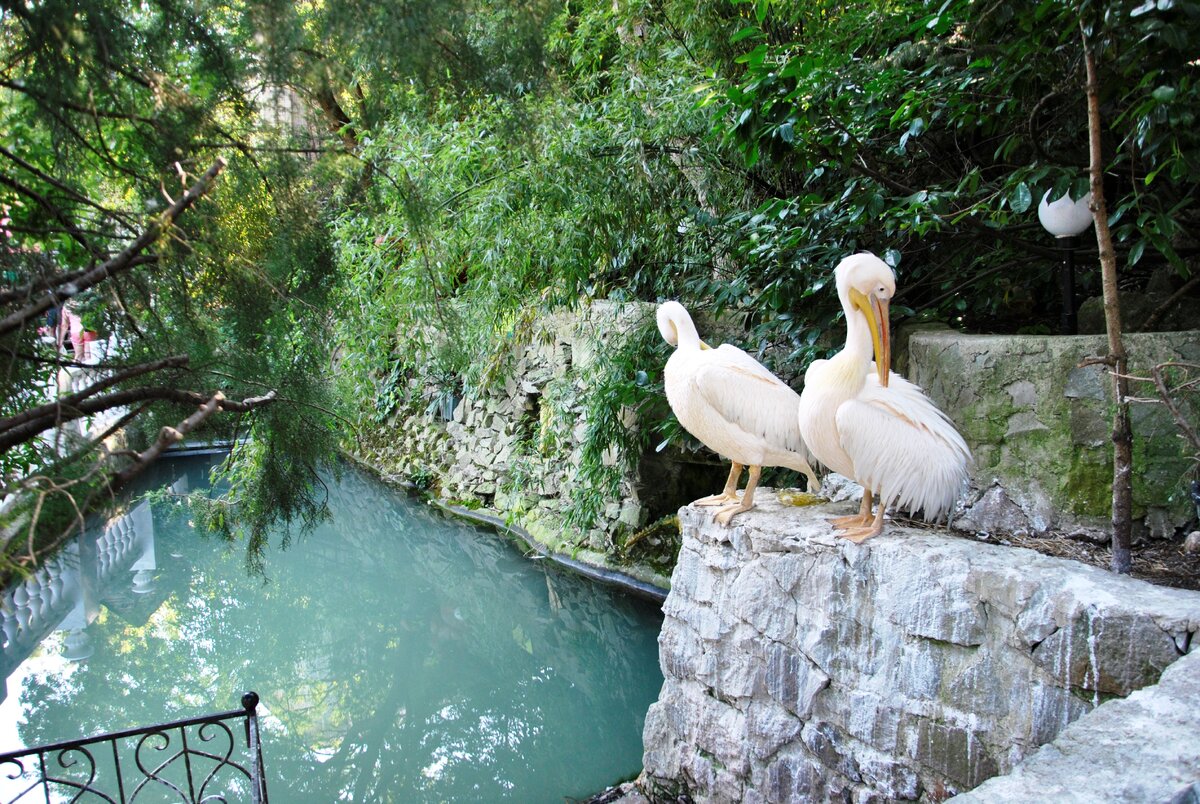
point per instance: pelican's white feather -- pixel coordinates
(730, 401)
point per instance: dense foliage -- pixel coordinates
(731, 155)
(415, 182)
(112, 111)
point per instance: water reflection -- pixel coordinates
(400, 656)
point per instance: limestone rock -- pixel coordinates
(994, 512)
(1142, 748)
(801, 667)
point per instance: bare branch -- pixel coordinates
(1189, 432)
(122, 261)
(1162, 309)
(72, 401)
(167, 437)
(89, 407)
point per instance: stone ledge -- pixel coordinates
(1143, 748)
(799, 666)
(1038, 423)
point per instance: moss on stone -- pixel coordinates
(1087, 484)
(656, 545)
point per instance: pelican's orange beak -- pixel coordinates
(704, 346)
(876, 311)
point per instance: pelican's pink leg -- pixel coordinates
(727, 513)
(729, 495)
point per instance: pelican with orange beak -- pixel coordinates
(868, 423)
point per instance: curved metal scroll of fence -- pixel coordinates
(201, 760)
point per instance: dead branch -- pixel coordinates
(89, 407)
(72, 401)
(167, 436)
(1097, 360)
(122, 261)
(1168, 399)
(1162, 309)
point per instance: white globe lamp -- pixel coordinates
(1066, 219)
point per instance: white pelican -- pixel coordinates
(734, 406)
(879, 430)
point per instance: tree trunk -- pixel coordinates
(1122, 434)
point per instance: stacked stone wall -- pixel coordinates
(515, 446)
(1039, 423)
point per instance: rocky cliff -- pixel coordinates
(801, 667)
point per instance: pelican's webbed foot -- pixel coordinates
(860, 535)
(857, 530)
(717, 499)
(727, 513)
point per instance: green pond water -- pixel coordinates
(400, 655)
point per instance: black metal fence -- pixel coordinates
(202, 760)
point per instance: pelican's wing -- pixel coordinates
(908, 401)
(747, 395)
(903, 446)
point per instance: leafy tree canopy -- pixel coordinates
(414, 182)
(212, 281)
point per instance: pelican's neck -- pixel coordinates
(859, 347)
(686, 333)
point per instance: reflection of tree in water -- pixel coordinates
(402, 654)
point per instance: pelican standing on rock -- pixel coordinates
(734, 406)
(870, 424)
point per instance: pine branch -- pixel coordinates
(98, 404)
(53, 209)
(69, 191)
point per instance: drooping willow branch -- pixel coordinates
(118, 263)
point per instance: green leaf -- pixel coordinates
(1021, 198)
(1135, 253)
(1164, 94)
(745, 33)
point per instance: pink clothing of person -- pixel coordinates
(70, 325)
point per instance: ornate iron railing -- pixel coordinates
(193, 761)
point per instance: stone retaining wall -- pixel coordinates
(801, 667)
(1039, 426)
(514, 448)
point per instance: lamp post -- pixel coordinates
(1066, 220)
